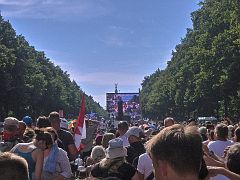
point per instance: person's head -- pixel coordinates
(230, 131)
(53, 133)
(203, 132)
(106, 138)
(28, 120)
(98, 140)
(211, 135)
(122, 127)
(237, 135)
(226, 120)
(221, 132)
(169, 121)
(134, 134)
(176, 151)
(29, 134)
(115, 149)
(209, 125)
(22, 128)
(54, 119)
(233, 158)
(43, 122)
(97, 154)
(42, 139)
(11, 127)
(13, 167)
(192, 122)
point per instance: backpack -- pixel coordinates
(121, 173)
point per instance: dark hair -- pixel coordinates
(167, 120)
(237, 134)
(98, 140)
(210, 126)
(52, 130)
(43, 122)
(112, 131)
(106, 138)
(191, 120)
(44, 136)
(54, 116)
(180, 147)
(30, 133)
(233, 158)
(204, 137)
(111, 178)
(123, 125)
(13, 167)
(221, 131)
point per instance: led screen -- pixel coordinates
(130, 104)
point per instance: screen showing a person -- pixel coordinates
(130, 104)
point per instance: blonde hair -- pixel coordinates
(112, 164)
(98, 153)
(106, 138)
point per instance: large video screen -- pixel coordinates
(130, 104)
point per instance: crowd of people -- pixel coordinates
(141, 151)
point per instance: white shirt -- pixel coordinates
(145, 166)
(125, 140)
(218, 148)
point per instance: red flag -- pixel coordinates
(80, 128)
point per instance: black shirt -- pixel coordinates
(134, 151)
(125, 172)
(66, 139)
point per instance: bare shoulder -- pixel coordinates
(24, 147)
(37, 152)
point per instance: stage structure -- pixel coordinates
(123, 106)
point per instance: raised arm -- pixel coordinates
(213, 171)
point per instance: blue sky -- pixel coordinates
(103, 42)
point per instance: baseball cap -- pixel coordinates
(27, 120)
(135, 131)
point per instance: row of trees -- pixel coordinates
(30, 84)
(202, 78)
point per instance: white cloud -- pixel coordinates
(16, 2)
(53, 9)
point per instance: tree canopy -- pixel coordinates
(202, 78)
(30, 84)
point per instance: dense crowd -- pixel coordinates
(138, 151)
